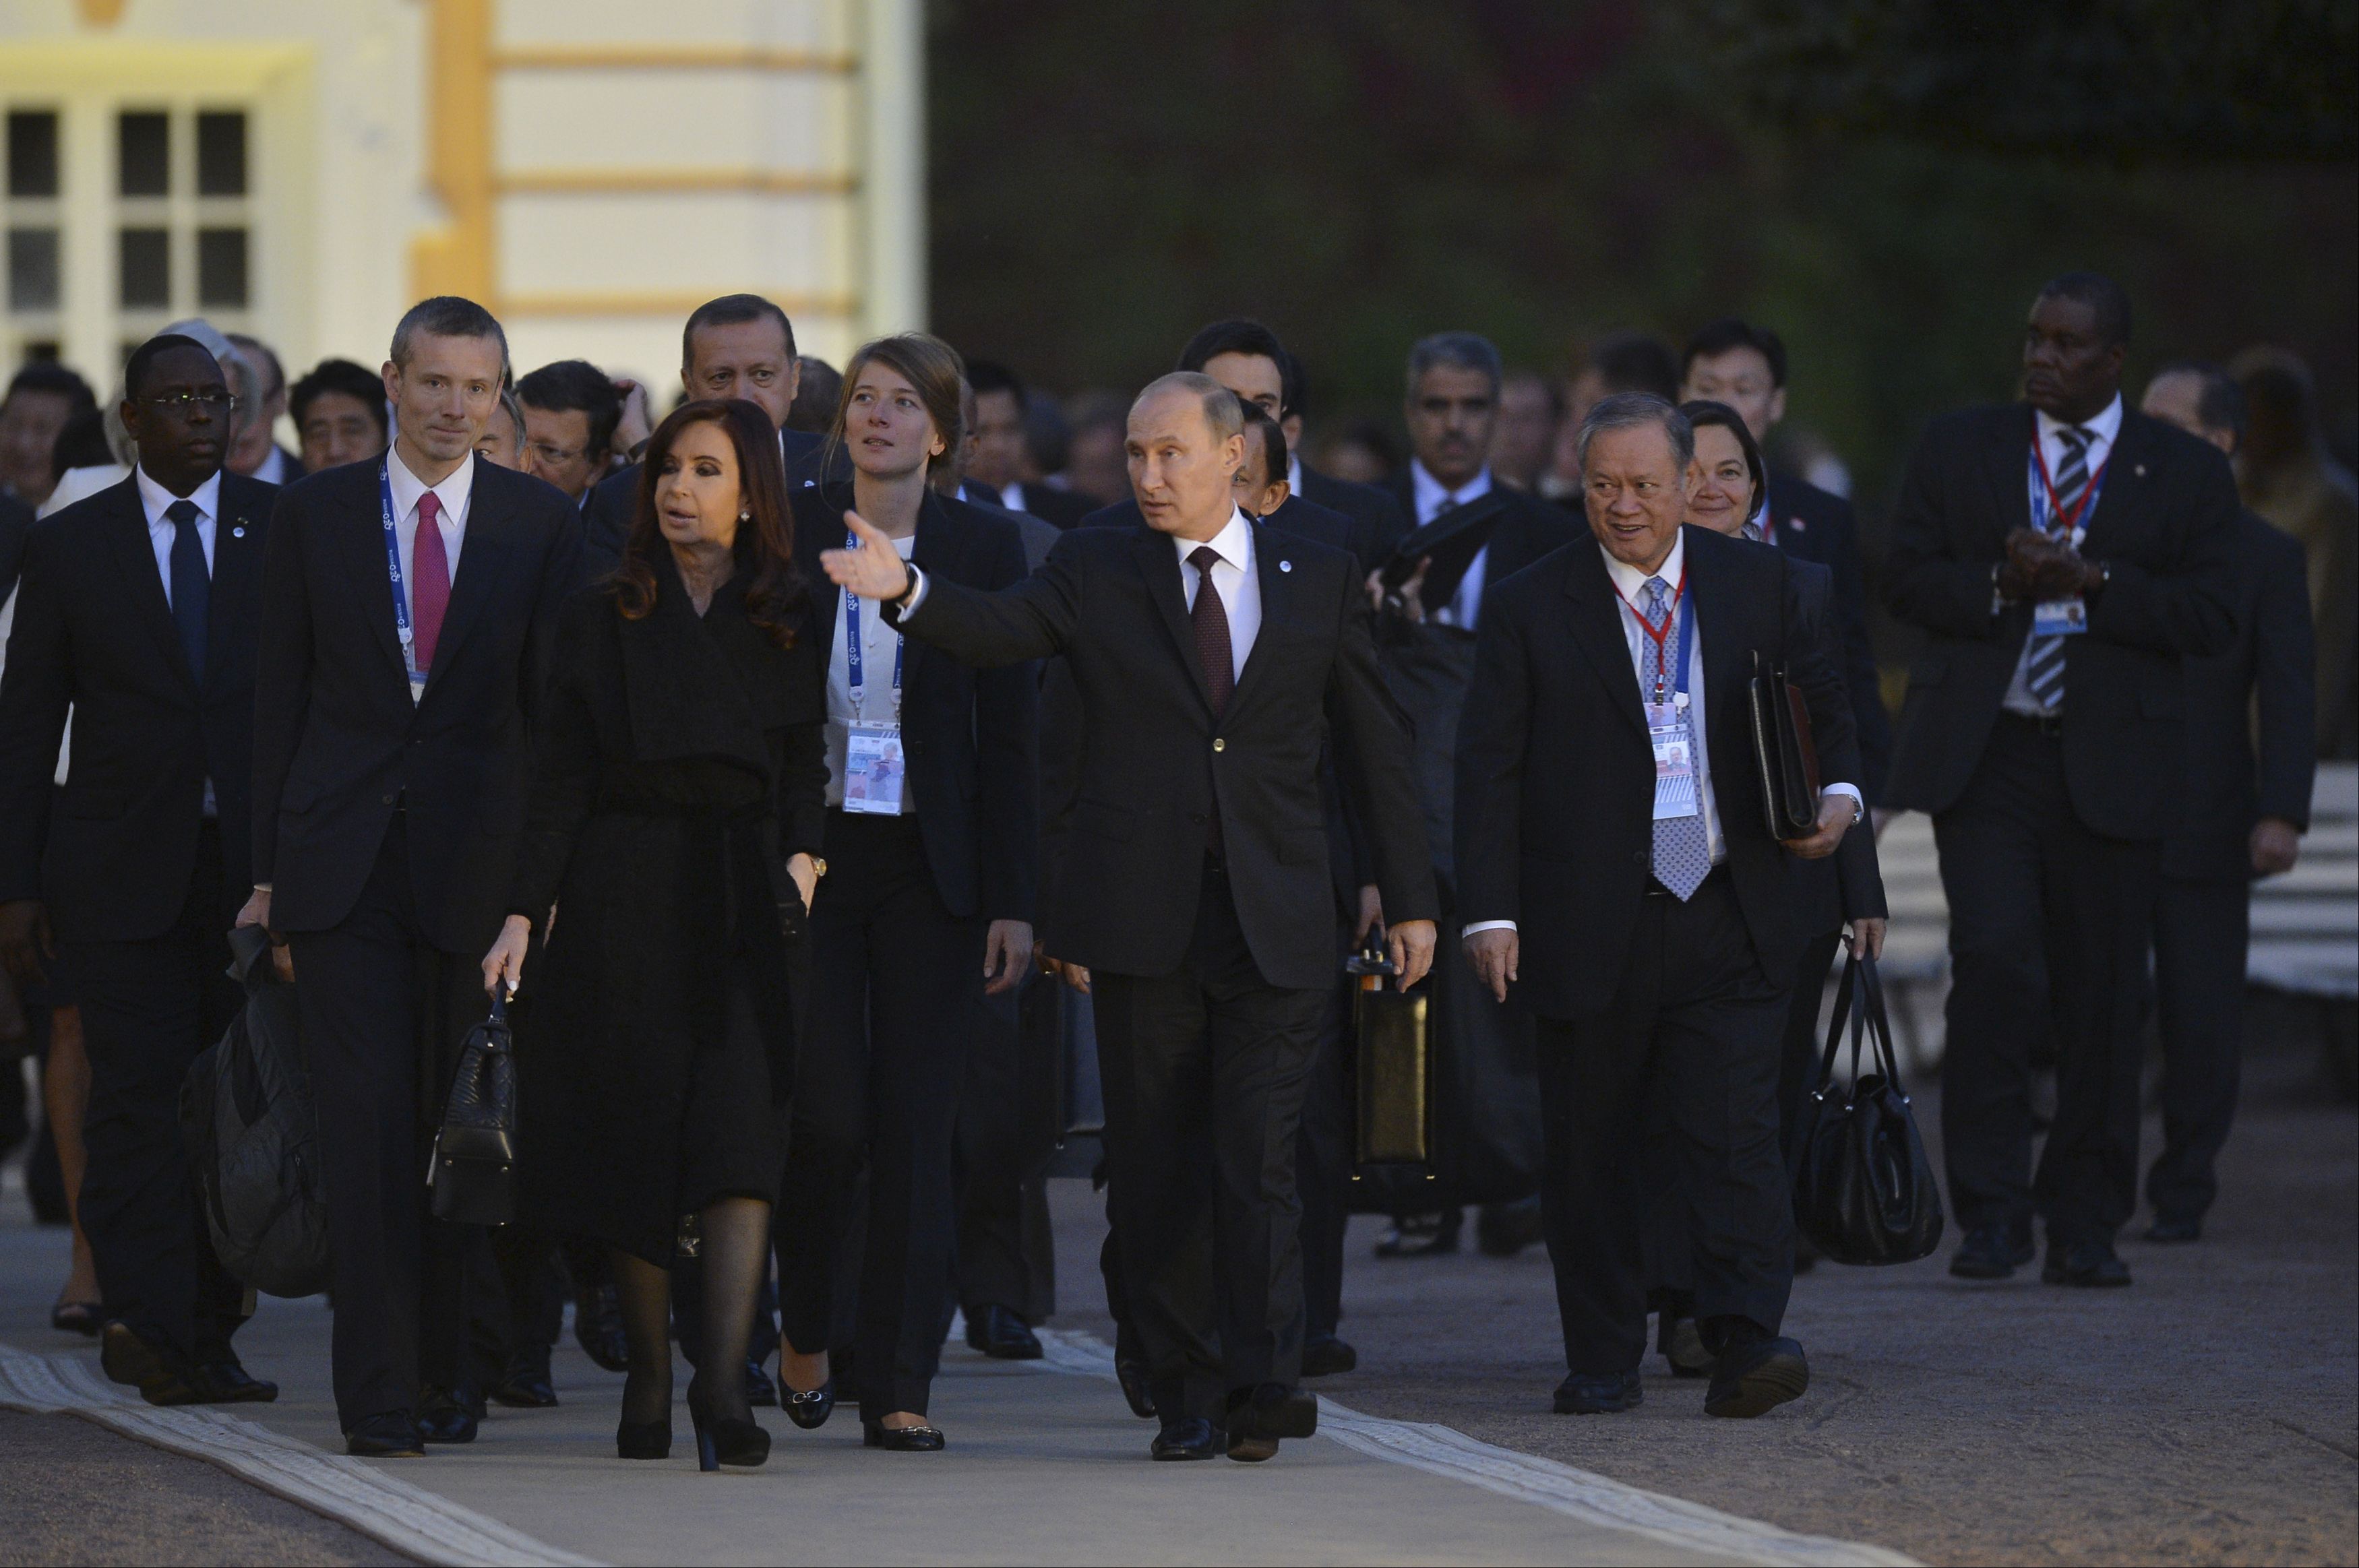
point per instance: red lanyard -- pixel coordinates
(2057, 519)
(1663, 636)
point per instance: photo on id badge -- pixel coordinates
(872, 769)
(2060, 618)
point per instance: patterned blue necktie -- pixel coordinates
(192, 585)
(2043, 674)
(1682, 848)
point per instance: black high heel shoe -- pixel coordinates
(725, 1440)
(644, 1439)
(808, 1408)
(901, 1439)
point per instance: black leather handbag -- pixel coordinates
(473, 1173)
(1391, 1065)
(1866, 1192)
(1783, 751)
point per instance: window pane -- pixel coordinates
(221, 266)
(221, 153)
(146, 256)
(32, 269)
(143, 154)
(33, 153)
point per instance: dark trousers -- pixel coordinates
(882, 1057)
(1006, 1253)
(149, 1009)
(1323, 1173)
(1691, 1037)
(384, 1014)
(2049, 925)
(1204, 1071)
(2202, 932)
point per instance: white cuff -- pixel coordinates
(1858, 801)
(1486, 926)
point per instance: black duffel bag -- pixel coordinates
(1864, 1193)
(473, 1173)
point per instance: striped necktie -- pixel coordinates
(2043, 674)
(1682, 856)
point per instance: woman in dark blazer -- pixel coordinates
(930, 833)
(672, 826)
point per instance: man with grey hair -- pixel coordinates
(1211, 660)
(1611, 828)
(257, 452)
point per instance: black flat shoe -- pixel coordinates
(226, 1382)
(808, 1408)
(390, 1436)
(525, 1384)
(1991, 1252)
(77, 1317)
(1137, 1389)
(1599, 1393)
(725, 1440)
(1002, 1335)
(444, 1416)
(2090, 1265)
(2170, 1231)
(759, 1389)
(1756, 1377)
(1681, 1343)
(1327, 1356)
(901, 1439)
(643, 1439)
(1192, 1438)
(161, 1374)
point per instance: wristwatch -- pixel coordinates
(819, 867)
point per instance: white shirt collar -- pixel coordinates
(155, 499)
(1294, 473)
(1632, 581)
(1234, 544)
(2102, 429)
(1431, 494)
(453, 492)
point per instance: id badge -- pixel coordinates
(873, 769)
(2060, 617)
(1669, 733)
(416, 690)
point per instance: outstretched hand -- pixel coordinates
(874, 570)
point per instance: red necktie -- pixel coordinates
(429, 580)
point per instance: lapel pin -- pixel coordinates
(2140, 470)
(1286, 565)
(238, 532)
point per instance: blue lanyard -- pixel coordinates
(393, 570)
(854, 659)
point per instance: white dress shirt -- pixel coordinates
(1012, 496)
(274, 467)
(1432, 496)
(1630, 585)
(2103, 430)
(155, 500)
(457, 488)
(878, 644)
(1233, 579)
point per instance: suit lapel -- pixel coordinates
(135, 563)
(237, 554)
(2006, 465)
(1159, 564)
(363, 545)
(1273, 570)
(1596, 622)
(482, 562)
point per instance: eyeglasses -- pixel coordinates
(214, 399)
(555, 455)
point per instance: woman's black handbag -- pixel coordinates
(1864, 1193)
(472, 1173)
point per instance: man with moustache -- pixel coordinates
(137, 614)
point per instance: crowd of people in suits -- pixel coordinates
(772, 755)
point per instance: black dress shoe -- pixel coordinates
(226, 1382)
(598, 1328)
(2089, 1264)
(390, 1436)
(444, 1416)
(1002, 1335)
(161, 1374)
(1326, 1355)
(1756, 1377)
(807, 1408)
(1681, 1343)
(1504, 1229)
(525, 1384)
(1421, 1235)
(759, 1389)
(1992, 1252)
(1599, 1393)
(1137, 1389)
(1191, 1437)
(1258, 1417)
(2175, 1230)
(901, 1439)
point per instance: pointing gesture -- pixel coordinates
(874, 570)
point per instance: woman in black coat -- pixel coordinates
(671, 829)
(930, 829)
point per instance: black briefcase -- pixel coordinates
(1392, 1065)
(472, 1172)
(1783, 751)
(1866, 1192)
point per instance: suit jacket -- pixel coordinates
(1818, 526)
(337, 740)
(970, 734)
(16, 527)
(2271, 669)
(614, 501)
(1850, 882)
(1526, 530)
(1376, 521)
(1556, 779)
(1304, 519)
(1152, 762)
(94, 634)
(2164, 526)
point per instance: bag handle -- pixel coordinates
(1879, 1025)
(1844, 1013)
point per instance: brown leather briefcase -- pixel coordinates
(1392, 1066)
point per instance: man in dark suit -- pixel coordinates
(1611, 828)
(739, 345)
(999, 458)
(137, 614)
(1735, 362)
(2243, 820)
(1209, 661)
(407, 607)
(2063, 557)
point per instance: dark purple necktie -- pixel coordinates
(1211, 619)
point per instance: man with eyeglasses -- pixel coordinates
(571, 410)
(137, 611)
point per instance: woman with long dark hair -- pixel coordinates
(668, 859)
(930, 829)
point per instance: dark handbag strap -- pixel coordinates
(1844, 1013)
(1879, 1024)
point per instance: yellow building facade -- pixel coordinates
(589, 169)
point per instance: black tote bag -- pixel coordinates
(473, 1173)
(1864, 1193)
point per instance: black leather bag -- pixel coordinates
(473, 1173)
(1391, 1066)
(1866, 1192)
(1783, 751)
